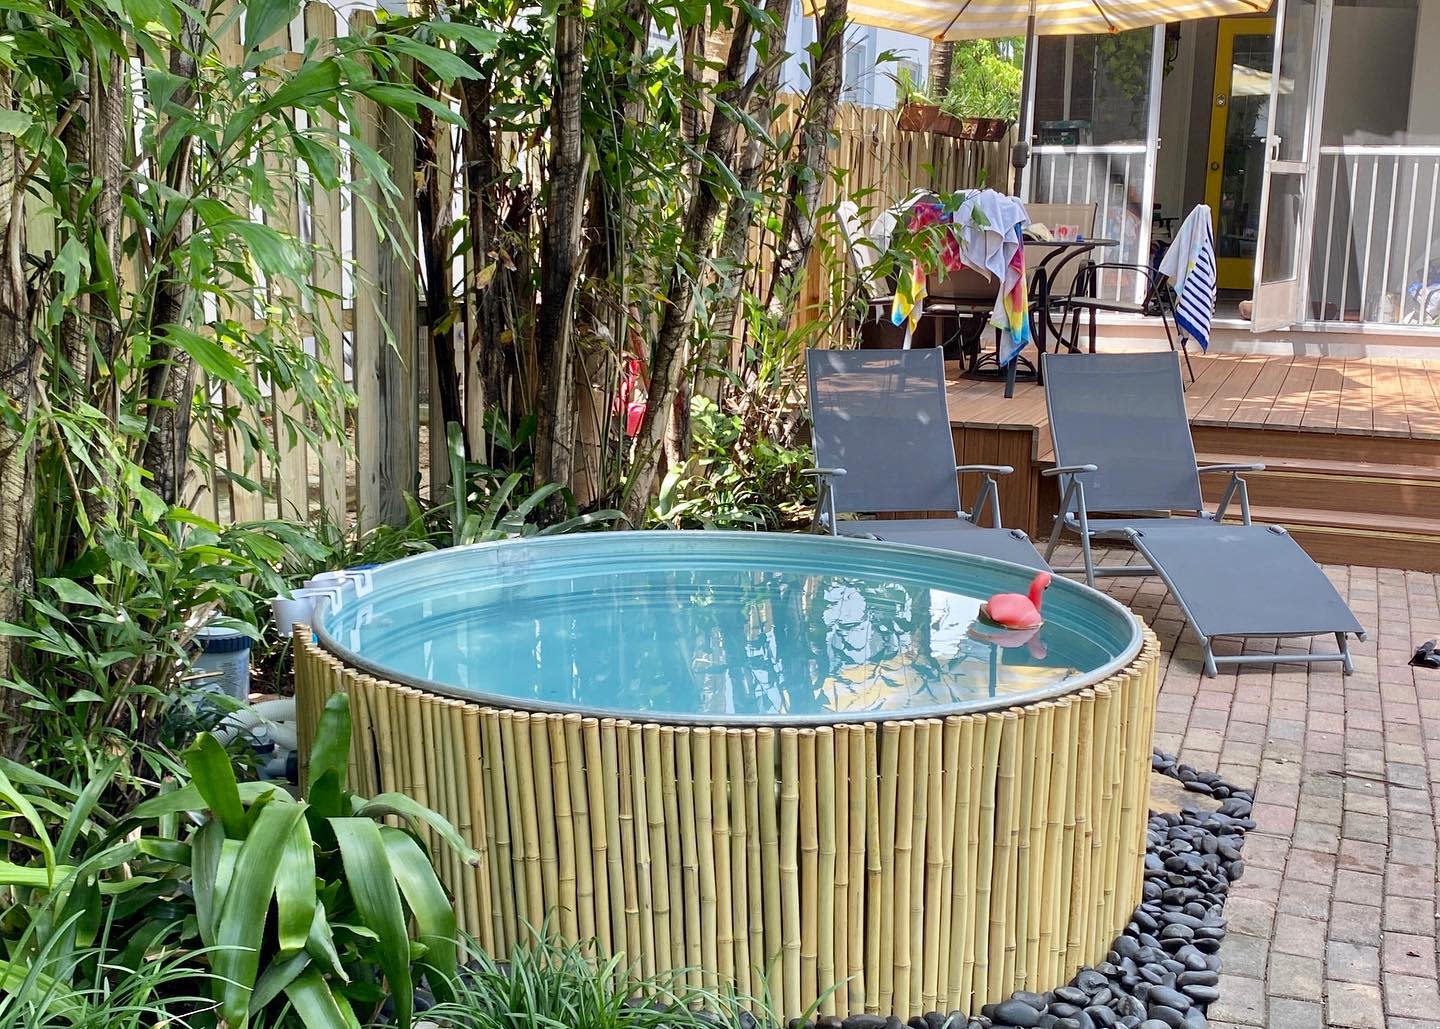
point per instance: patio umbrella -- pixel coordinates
(943, 20)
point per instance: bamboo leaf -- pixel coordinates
(377, 902)
(264, 18)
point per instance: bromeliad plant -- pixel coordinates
(300, 912)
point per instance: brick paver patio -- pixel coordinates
(1333, 923)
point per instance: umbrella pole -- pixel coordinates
(1020, 152)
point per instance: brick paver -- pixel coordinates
(1333, 925)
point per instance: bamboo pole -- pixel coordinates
(508, 896)
(890, 754)
(468, 892)
(755, 891)
(583, 856)
(670, 814)
(790, 868)
(809, 837)
(1018, 949)
(766, 768)
(874, 867)
(962, 908)
(615, 861)
(1039, 808)
(568, 874)
(689, 859)
(986, 851)
(600, 838)
(927, 921)
(949, 811)
(482, 832)
(1002, 898)
(659, 872)
(631, 871)
(1080, 860)
(647, 910)
(907, 816)
(537, 899)
(739, 866)
(828, 912)
(705, 850)
(720, 845)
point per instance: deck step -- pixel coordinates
(1329, 485)
(1360, 538)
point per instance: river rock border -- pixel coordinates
(1164, 969)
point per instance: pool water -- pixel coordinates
(719, 627)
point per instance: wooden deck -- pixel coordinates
(1351, 445)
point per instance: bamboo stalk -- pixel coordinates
(1067, 744)
(1002, 899)
(828, 912)
(949, 811)
(482, 834)
(639, 846)
(655, 826)
(874, 867)
(537, 899)
(755, 891)
(927, 922)
(1018, 954)
(1080, 861)
(568, 875)
(509, 898)
(809, 837)
(790, 868)
(580, 821)
(767, 793)
(1039, 806)
(601, 839)
(633, 874)
(670, 815)
(467, 901)
(689, 858)
(447, 802)
(890, 753)
(705, 850)
(720, 842)
(739, 866)
(986, 850)
(857, 819)
(962, 914)
(615, 856)
(907, 814)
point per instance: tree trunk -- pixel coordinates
(668, 365)
(560, 260)
(170, 382)
(812, 164)
(942, 66)
(19, 375)
(435, 222)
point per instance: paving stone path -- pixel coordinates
(1333, 924)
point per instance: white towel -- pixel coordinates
(1190, 264)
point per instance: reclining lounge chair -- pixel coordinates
(883, 444)
(1123, 448)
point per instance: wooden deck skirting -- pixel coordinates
(887, 867)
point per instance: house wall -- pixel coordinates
(1425, 82)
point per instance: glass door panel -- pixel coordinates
(1239, 125)
(1287, 197)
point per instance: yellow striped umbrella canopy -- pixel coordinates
(995, 19)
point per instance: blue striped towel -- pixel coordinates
(1190, 265)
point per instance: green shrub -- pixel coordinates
(302, 912)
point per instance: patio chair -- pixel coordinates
(1123, 450)
(882, 440)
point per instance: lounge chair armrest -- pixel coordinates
(1069, 469)
(824, 473)
(989, 469)
(1233, 469)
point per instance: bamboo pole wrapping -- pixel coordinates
(932, 864)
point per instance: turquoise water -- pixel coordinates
(717, 627)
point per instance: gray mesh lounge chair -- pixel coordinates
(883, 444)
(1123, 448)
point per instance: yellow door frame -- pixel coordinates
(1230, 272)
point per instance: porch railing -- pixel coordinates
(1109, 176)
(1376, 255)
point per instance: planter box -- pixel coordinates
(930, 118)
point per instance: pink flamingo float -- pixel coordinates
(1014, 611)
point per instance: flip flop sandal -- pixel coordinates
(1426, 656)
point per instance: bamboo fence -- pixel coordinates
(891, 868)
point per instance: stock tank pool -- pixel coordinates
(799, 766)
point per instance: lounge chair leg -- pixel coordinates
(1210, 670)
(1348, 663)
